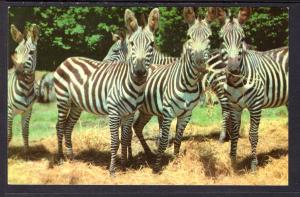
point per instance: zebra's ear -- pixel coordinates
(115, 37)
(130, 21)
(16, 35)
(211, 14)
(189, 15)
(221, 15)
(244, 14)
(153, 19)
(34, 31)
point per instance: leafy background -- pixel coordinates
(86, 31)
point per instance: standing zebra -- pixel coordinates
(280, 56)
(173, 90)
(254, 81)
(112, 88)
(21, 91)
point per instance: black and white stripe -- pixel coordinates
(21, 91)
(254, 81)
(110, 87)
(173, 91)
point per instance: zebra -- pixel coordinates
(254, 81)
(168, 98)
(46, 88)
(279, 55)
(21, 80)
(111, 88)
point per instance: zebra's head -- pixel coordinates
(140, 42)
(199, 34)
(232, 33)
(118, 51)
(24, 57)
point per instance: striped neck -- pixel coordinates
(188, 72)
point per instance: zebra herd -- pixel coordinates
(135, 82)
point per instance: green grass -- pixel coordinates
(44, 119)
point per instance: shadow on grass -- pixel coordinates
(141, 161)
(36, 152)
(263, 159)
(209, 163)
(102, 158)
(199, 138)
(94, 156)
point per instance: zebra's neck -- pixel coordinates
(188, 74)
(26, 82)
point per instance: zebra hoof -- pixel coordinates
(26, 155)
(233, 162)
(60, 159)
(112, 174)
(253, 166)
(156, 170)
(223, 137)
(70, 157)
(69, 154)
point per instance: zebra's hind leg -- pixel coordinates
(163, 142)
(63, 110)
(25, 131)
(125, 140)
(255, 116)
(72, 118)
(180, 127)
(138, 127)
(235, 127)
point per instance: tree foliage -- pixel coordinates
(86, 31)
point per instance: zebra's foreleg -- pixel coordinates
(114, 124)
(235, 127)
(25, 130)
(160, 119)
(163, 142)
(72, 118)
(255, 116)
(225, 133)
(125, 140)
(10, 119)
(180, 127)
(138, 127)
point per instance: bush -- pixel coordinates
(85, 31)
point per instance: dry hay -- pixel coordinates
(202, 160)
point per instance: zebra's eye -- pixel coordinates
(152, 44)
(131, 43)
(31, 52)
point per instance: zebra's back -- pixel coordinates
(91, 84)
